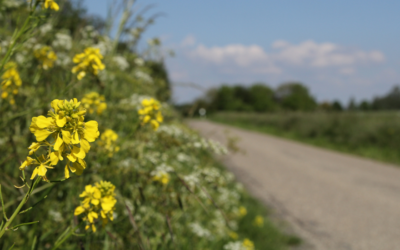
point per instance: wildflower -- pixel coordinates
(51, 4)
(46, 56)
(162, 177)
(248, 244)
(72, 137)
(88, 61)
(258, 221)
(11, 81)
(108, 142)
(150, 113)
(94, 102)
(98, 200)
(233, 235)
(242, 211)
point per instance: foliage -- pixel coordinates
(142, 180)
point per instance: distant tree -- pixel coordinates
(295, 96)
(364, 105)
(262, 98)
(352, 105)
(337, 106)
(325, 106)
(388, 102)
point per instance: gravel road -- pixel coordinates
(332, 200)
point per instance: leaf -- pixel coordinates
(34, 243)
(12, 246)
(24, 224)
(62, 235)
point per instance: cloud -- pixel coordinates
(188, 41)
(235, 58)
(314, 55)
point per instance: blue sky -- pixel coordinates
(339, 49)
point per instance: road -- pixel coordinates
(332, 200)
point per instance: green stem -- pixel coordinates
(17, 36)
(58, 244)
(26, 197)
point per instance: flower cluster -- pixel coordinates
(46, 56)
(108, 141)
(97, 200)
(150, 113)
(51, 4)
(246, 244)
(94, 102)
(11, 82)
(88, 61)
(72, 137)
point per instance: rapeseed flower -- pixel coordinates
(258, 221)
(71, 134)
(108, 142)
(88, 61)
(98, 200)
(242, 211)
(162, 177)
(51, 4)
(46, 56)
(150, 113)
(11, 82)
(94, 102)
(248, 244)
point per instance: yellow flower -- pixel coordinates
(162, 177)
(11, 82)
(258, 221)
(88, 61)
(26, 163)
(150, 113)
(98, 199)
(71, 134)
(248, 244)
(242, 211)
(94, 102)
(233, 235)
(46, 56)
(51, 4)
(108, 142)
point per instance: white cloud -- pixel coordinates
(284, 55)
(312, 54)
(252, 58)
(188, 41)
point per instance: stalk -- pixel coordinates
(24, 200)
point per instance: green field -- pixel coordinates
(374, 135)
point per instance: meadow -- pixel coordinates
(369, 134)
(93, 156)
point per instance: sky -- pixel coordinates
(339, 49)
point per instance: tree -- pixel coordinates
(295, 96)
(389, 101)
(337, 106)
(262, 98)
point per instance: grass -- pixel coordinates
(371, 135)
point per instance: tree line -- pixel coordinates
(291, 96)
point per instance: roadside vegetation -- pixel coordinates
(93, 155)
(368, 134)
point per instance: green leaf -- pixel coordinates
(34, 243)
(12, 246)
(24, 224)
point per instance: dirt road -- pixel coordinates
(332, 200)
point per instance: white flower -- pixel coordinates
(200, 231)
(121, 62)
(45, 28)
(141, 75)
(63, 40)
(236, 245)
